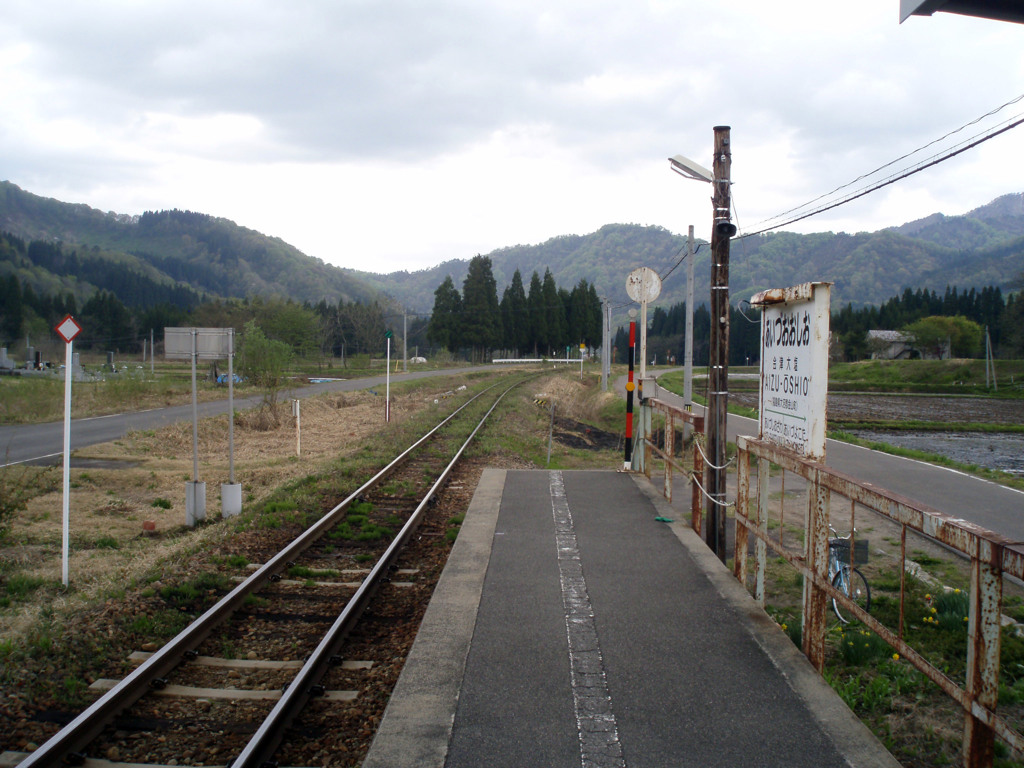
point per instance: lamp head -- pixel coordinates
(684, 166)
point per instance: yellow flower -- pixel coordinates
(934, 609)
(895, 657)
(956, 591)
(927, 597)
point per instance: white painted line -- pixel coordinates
(595, 719)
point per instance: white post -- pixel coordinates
(195, 415)
(231, 406)
(387, 388)
(231, 492)
(688, 374)
(152, 354)
(296, 411)
(195, 492)
(65, 539)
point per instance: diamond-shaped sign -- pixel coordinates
(68, 329)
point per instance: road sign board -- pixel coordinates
(68, 329)
(211, 343)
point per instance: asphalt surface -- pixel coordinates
(677, 666)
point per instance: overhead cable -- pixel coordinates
(928, 163)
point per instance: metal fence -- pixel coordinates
(991, 559)
(675, 420)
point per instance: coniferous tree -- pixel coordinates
(555, 313)
(481, 324)
(444, 325)
(514, 315)
(538, 315)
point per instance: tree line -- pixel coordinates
(539, 322)
(956, 317)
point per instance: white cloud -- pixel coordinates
(385, 134)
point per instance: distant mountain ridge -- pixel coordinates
(183, 251)
(984, 247)
(211, 256)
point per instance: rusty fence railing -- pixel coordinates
(991, 558)
(675, 421)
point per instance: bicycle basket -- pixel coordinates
(842, 549)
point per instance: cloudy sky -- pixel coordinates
(395, 134)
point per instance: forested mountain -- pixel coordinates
(179, 258)
(165, 256)
(982, 248)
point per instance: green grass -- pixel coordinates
(302, 572)
(926, 376)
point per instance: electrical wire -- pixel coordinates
(681, 260)
(928, 163)
(898, 159)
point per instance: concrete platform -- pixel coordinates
(570, 628)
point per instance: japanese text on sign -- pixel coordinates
(794, 368)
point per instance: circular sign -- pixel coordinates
(643, 284)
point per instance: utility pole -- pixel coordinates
(606, 347)
(688, 352)
(405, 342)
(718, 373)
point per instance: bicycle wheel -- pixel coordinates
(852, 583)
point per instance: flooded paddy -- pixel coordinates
(1002, 451)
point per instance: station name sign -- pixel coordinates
(794, 367)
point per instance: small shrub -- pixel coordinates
(161, 502)
(860, 646)
(107, 542)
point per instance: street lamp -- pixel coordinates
(718, 364)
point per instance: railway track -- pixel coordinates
(279, 669)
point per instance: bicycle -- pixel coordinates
(845, 577)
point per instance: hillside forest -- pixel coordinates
(538, 319)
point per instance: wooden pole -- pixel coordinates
(718, 374)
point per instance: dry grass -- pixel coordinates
(117, 487)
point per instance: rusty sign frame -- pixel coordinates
(675, 417)
(991, 557)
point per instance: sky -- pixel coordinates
(384, 135)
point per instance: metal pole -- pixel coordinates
(405, 343)
(195, 415)
(152, 353)
(606, 347)
(630, 386)
(387, 379)
(231, 406)
(718, 374)
(66, 537)
(688, 354)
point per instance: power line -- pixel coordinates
(933, 160)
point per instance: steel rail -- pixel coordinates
(64, 745)
(306, 684)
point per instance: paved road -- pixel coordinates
(992, 506)
(44, 443)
